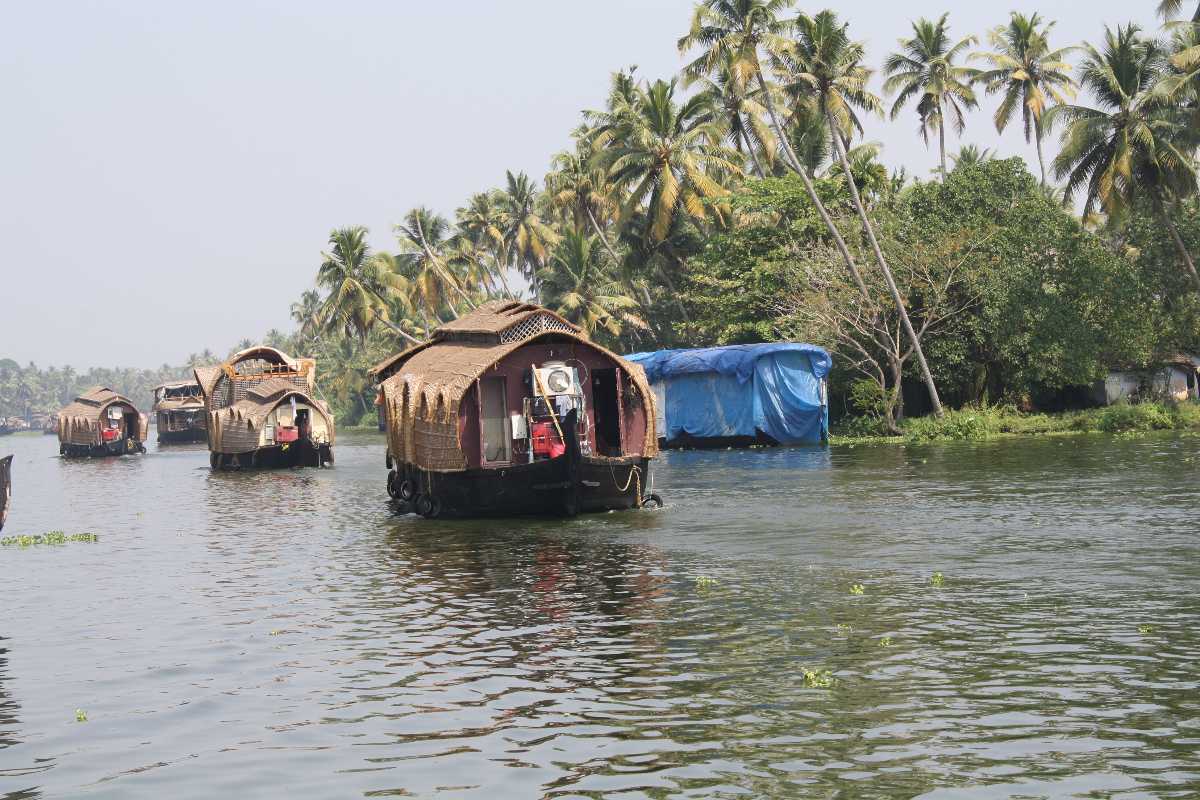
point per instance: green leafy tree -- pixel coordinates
(577, 285)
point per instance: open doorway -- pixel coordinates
(607, 408)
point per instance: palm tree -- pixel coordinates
(421, 235)
(580, 187)
(744, 115)
(970, 155)
(1028, 74)
(307, 313)
(528, 236)
(925, 69)
(665, 154)
(354, 284)
(733, 36)
(1169, 9)
(824, 67)
(578, 287)
(1136, 143)
(482, 221)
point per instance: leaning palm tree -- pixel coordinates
(1027, 74)
(482, 221)
(665, 153)
(423, 234)
(824, 67)
(583, 190)
(355, 286)
(576, 284)
(735, 36)
(925, 68)
(1135, 145)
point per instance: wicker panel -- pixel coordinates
(533, 325)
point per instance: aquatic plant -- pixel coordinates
(886, 641)
(816, 678)
(844, 628)
(1145, 630)
(51, 538)
(80, 715)
(857, 589)
(938, 580)
(705, 582)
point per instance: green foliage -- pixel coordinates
(817, 678)
(51, 538)
(938, 580)
(1124, 418)
(80, 715)
(857, 590)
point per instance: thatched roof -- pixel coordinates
(228, 426)
(494, 322)
(271, 355)
(207, 378)
(92, 403)
(176, 384)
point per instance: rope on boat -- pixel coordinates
(634, 472)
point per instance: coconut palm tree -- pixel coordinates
(970, 155)
(664, 154)
(745, 116)
(577, 285)
(824, 67)
(482, 221)
(1023, 69)
(353, 282)
(925, 68)
(1169, 9)
(578, 186)
(1134, 144)
(735, 36)
(422, 235)
(528, 236)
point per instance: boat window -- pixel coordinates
(494, 423)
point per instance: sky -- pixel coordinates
(170, 172)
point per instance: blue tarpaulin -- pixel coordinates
(741, 390)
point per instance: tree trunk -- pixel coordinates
(396, 329)
(942, 145)
(1180, 246)
(443, 270)
(1037, 135)
(934, 400)
(758, 170)
(784, 144)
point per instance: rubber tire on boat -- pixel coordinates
(214, 460)
(427, 506)
(406, 491)
(391, 485)
(652, 500)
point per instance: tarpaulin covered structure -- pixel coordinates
(745, 391)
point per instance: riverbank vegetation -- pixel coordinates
(739, 202)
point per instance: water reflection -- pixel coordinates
(285, 631)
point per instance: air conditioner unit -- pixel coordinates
(557, 378)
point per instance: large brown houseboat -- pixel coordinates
(5, 488)
(511, 410)
(179, 412)
(101, 423)
(261, 412)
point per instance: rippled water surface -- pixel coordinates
(283, 634)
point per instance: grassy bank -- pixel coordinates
(982, 423)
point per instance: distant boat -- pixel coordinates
(101, 423)
(740, 395)
(260, 412)
(179, 412)
(5, 488)
(511, 410)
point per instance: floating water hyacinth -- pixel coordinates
(52, 538)
(80, 715)
(1145, 630)
(816, 678)
(857, 589)
(705, 582)
(886, 641)
(844, 628)
(938, 580)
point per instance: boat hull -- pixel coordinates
(122, 447)
(295, 454)
(179, 437)
(554, 487)
(5, 488)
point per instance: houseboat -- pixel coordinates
(511, 410)
(5, 488)
(179, 412)
(101, 423)
(740, 395)
(260, 412)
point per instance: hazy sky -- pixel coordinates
(169, 172)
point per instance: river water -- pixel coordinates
(283, 634)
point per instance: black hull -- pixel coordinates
(125, 447)
(179, 437)
(554, 487)
(5, 488)
(296, 454)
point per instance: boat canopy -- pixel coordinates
(777, 389)
(80, 422)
